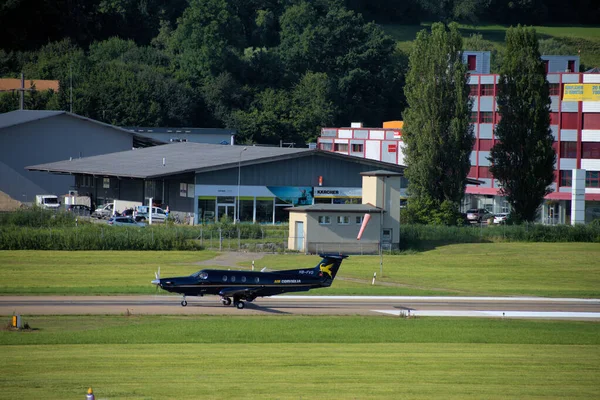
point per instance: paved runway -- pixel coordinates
(510, 307)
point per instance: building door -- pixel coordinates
(299, 235)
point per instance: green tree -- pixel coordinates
(437, 135)
(523, 158)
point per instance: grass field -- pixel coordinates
(535, 269)
(160, 357)
(584, 38)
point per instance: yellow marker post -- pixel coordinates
(14, 321)
(90, 394)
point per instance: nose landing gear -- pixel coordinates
(183, 302)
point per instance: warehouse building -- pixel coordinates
(212, 182)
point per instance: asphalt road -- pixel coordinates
(509, 307)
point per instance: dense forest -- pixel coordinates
(272, 69)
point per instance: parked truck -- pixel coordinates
(116, 207)
(48, 201)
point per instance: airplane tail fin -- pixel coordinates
(328, 267)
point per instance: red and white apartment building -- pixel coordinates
(575, 126)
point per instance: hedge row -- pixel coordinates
(418, 236)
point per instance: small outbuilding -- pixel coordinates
(334, 227)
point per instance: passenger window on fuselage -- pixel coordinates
(203, 275)
(243, 279)
(233, 279)
(224, 278)
(256, 279)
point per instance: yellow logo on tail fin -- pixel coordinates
(326, 269)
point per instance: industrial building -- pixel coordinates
(33, 137)
(211, 182)
(575, 123)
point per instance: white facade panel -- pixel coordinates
(553, 78)
(401, 154)
(590, 135)
(554, 129)
(386, 154)
(487, 79)
(590, 164)
(486, 131)
(373, 149)
(377, 134)
(570, 78)
(564, 189)
(569, 106)
(345, 133)
(473, 158)
(568, 163)
(483, 159)
(591, 78)
(568, 135)
(590, 106)
(341, 141)
(390, 135)
(486, 103)
(361, 134)
(473, 80)
(554, 103)
(487, 182)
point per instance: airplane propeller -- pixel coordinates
(157, 280)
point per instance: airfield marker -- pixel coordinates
(374, 276)
(90, 395)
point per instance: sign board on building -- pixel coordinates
(392, 148)
(337, 192)
(581, 92)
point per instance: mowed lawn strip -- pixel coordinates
(481, 269)
(155, 357)
(91, 272)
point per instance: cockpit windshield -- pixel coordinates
(201, 275)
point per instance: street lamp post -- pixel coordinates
(237, 207)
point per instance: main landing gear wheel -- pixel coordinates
(226, 301)
(240, 305)
(184, 303)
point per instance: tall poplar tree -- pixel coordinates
(438, 137)
(523, 157)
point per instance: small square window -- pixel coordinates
(326, 146)
(487, 90)
(486, 117)
(359, 220)
(554, 89)
(324, 219)
(357, 147)
(340, 147)
(566, 178)
(343, 220)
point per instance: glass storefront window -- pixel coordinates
(264, 211)
(246, 209)
(206, 210)
(281, 215)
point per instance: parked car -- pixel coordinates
(104, 211)
(124, 221)
(500, 218)
(79, 209)
(478, 214)
(158, 214)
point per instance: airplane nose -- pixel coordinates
(156, 282)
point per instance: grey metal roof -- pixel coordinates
(358, 208)
(19, 117)
(184, 157)
(194, 131)
(23, 116)
(178, 158)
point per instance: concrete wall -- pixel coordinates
(51, 139)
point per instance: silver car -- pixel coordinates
(124, 221)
